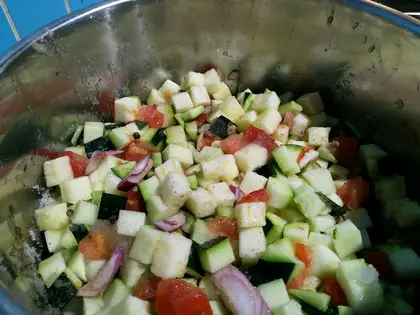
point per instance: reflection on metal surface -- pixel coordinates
(362, 56)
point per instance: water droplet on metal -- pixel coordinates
(225, 53)
(399, 104)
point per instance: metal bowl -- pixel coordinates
(361, 56)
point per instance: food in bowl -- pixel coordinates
(202, 202)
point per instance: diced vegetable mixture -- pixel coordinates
(200, 202)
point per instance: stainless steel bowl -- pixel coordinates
(363, 57)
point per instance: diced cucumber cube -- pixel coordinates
(85, 213)
(390, 188)
(201, 203)
(317, 300)
(77, 265)
(321, 223)
(360, 218)
(199, 96)
(250, 214)
(51, 268)
(346, 239)
(149, 187)
(221, 91)
(279, 192)
(52, 217)
(111, 183)
(168, 113)
(57, 171)
(192, 130)
(175, 135)
(68, 240)
(292, 106)
(268, 121)
(285, 157)
(155, 97)
(308, 201)
(126, 108)
(281, 133)
(371, 154)
(92, 131)
(252, 244)
(200, 232)
(187, 227)
(224, 211)
(222, 168)
(251, 157)
(193, 181)
(179, 153)
(157, 210)
(251, 182)
(168, 166)
(222, 194)
(231, 108)
(182, 102)
(92, 305)
(405, 262)
(324, 262)
(321, 180)
(297, 232)
(265, 101)
(74, 190)
(311, 103)
(274, 293)
(316, 238)
(131, 306)
(115, 293)
(175, 190)
(318, 136)
(131, 271)
(171, 256)
(93, 267)
(290, 308)
(145, 244)
(211, 80)
(129, 222)
(405, 212)
(52, 238)
(338, 171)
(192, 79)
(216, 254)
(247, 119)
(79, 149)
(168, 89)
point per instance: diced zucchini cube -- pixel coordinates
(52, 217)
(251, 182)
(211, 80)
(201, 203)
(131, 305)
(324, 262)
(111, 183)
(115, 293)
(169, 166)
(300, 123)
(223, 168)
(318, 136)
(268, 121)
(221, 91)
(171, 256)
(316, 238)
(199, 96)
(321, 180)
(346, 239)
(252, 244)
(297, 232)
(247, 119)
(214, 115)
(131, 271)
(157, 210)
(97, 177)
(311, 103)
(216, 254)
(231, 108)
(92, 305)
(322, 223)
(285, 157)
(77, 265)
(179, 153)
(93, 267)
(126, 109)
(193, 79)
(251, 157)
(182, 102)
(149, 187)
(52, 238)
(79, 149)
(291, 307)
(308, 201)
(279, 192)
(282, 133)
(175, 135)
(155, 97)
(175, 190)
(207, 154)
(265, 101)
(250, 214)
(274, 293)
(145, 244)
(168, 89)
(57, 171)
(51, 268)
(76, 189)
(222, 194)
(92, 131)
(129, 222)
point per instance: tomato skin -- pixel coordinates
(354, 192)
(304, 254)
(223, 226)
(78, 163)
(233, 143)
(254, 196)
(150, 114)
(251, 133)
(333, 289)
(137, 150)
(106, 99)
(380, 261)
(177, 297)
(146, 288)
(203, 117)
(207, 141)
(260, 137)
(347, 151)
(135, 202)
(95, 246)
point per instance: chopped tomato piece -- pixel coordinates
(303, 152)
(299, 280)
(49, 154)
(146, 288)
(177, 297)
(106, 99)
(95, 246)
(203, 117)
(209, 66)
(255, 196)
(223, 226)
(137, 150)
(347, 151)
(333, 289)
(354, 192)
(135, 202)
(304, 254)
(150, 114)
(78, 163)
(380, 261)
(233, 143)
(207, 141)
(260, 137)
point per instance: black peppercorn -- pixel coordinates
(136, 135)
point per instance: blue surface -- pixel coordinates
(30, 15)
(80, 4)
(7, 37)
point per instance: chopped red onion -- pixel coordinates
(236, 191)
(238, 294)
(104, 276)
(173, 222)
(97, 158)
(136, 175)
